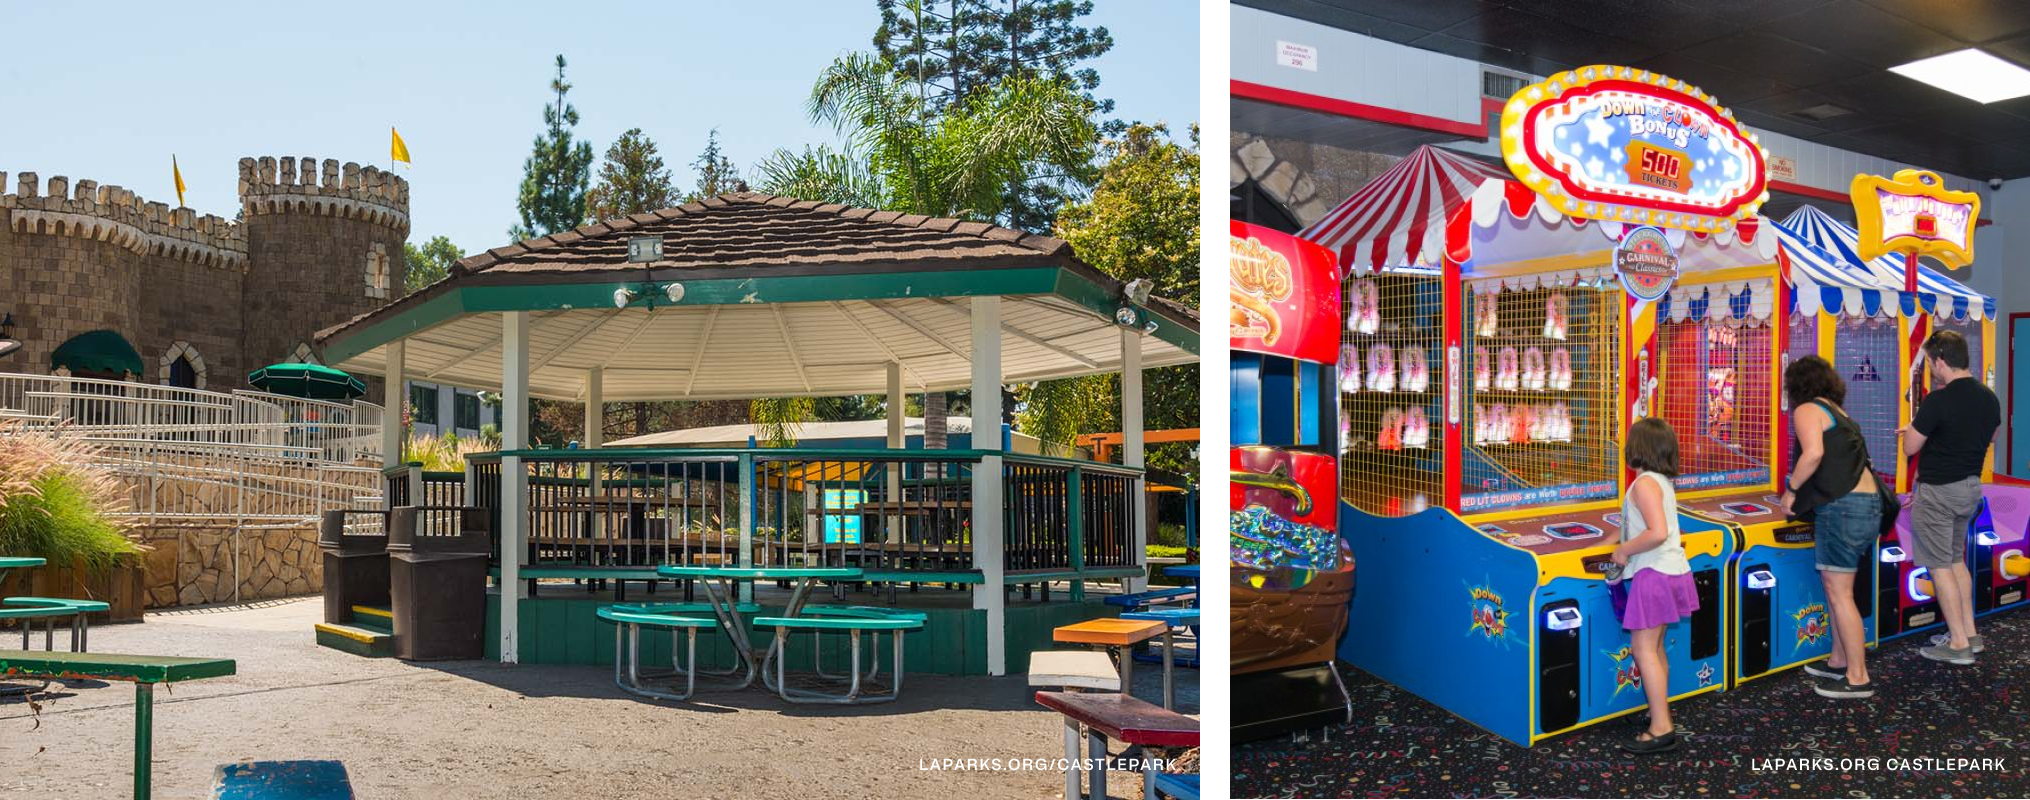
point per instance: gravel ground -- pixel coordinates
(484, 730)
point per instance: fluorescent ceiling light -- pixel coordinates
(1970, 73)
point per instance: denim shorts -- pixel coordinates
(1843, 533)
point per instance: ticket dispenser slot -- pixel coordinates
(1706, 621)
(1558, 631)
(1889, 591)
(1758, 597)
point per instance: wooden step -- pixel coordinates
(356, 640)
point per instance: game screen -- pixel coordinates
(1541, 390)
(1714, 379)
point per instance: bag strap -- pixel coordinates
(1840, 416)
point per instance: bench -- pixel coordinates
(852, 621)
(1119, 717)
(29, 609)
(1074, 669)
(1154, 597)
(143, 671)
(668, 616)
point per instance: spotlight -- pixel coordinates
(1137, 291)
(675, 292)
(622, 296)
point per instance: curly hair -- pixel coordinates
(1811, 378)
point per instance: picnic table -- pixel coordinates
(1118, 636)
(17, 562)
(722, 591)
(1121, 718)
(1172, 618)
(143, 671)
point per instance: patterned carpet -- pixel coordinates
(1402, 746)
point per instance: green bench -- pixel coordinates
(851, 621)
(142, 671)
(672, 617)
(29, 609)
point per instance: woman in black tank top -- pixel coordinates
(1830, 484)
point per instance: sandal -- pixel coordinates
(1647, 744)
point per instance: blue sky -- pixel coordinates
(110, 95)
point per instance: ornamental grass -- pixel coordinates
(57, 502)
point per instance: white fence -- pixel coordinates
(244, 459)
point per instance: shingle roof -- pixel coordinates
(751, 229)
(754, 231)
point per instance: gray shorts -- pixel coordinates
(1939, 517)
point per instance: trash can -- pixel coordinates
(437, 581)
(355, 564)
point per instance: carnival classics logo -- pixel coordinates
(1261, 278)
(1490, 614)
(1646, 262)
(1811, 624)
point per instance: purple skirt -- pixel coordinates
(1653, 599)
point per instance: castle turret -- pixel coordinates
(324, 244)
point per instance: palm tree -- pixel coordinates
(900, 157)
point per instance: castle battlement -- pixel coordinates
(110, 213)
(290, 185)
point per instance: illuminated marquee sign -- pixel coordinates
(1617, 143)
(1914, 213)
(1285, 295)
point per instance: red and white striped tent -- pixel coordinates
(1437, 203)
(1399, 218)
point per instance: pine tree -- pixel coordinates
(716, 173)
(555, 175)
(631, 180)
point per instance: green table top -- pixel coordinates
(11, 562)
(111, 666)
(761, 573)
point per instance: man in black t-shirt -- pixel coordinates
(1953, 428)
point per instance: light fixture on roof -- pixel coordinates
(1970, 73)
(1137, 291)
(622, 297)
(675, 291)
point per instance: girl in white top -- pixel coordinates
(1655, 587)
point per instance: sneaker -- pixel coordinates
(1818, 669)
(1975, 641)
(1840, 688)
(1939, 652)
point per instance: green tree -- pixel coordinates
(716, 173)
(431, 262)
(631, 180)
(780, 418)
(956, 50)
(555, 175)
(1140, 222)
(822, 174)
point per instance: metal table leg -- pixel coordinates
(1071, 737)
(1169, 666)
(144, 737)
(1096, 749)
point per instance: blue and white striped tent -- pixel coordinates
(1936, 293)
(1821, 279)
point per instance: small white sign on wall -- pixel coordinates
(1782, 168)
(1300, 56)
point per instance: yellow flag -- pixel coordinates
(396, 149)
(178, 172)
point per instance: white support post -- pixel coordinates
(1131, 454)
(897, 405)
(991, 595)
(514, 477)
(393, 397)
(595, 435)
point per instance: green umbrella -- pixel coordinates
(314, 381)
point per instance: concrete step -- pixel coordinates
(373, 618)
(356, 640)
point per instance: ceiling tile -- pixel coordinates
(1971, 21)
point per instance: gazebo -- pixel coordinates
(752, 295)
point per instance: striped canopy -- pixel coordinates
(1398, 219)
(1936, 293)
(1823, 280)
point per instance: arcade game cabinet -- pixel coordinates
(1292, 574)
(1536, 304)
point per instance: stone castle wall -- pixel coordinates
(195, 565)
(81, 256)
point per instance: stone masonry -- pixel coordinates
(227, 295)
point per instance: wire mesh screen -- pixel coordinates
(1971, 329)
(1714, 384)
(1390, 371)
(1542, 387)
(1865, 357)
